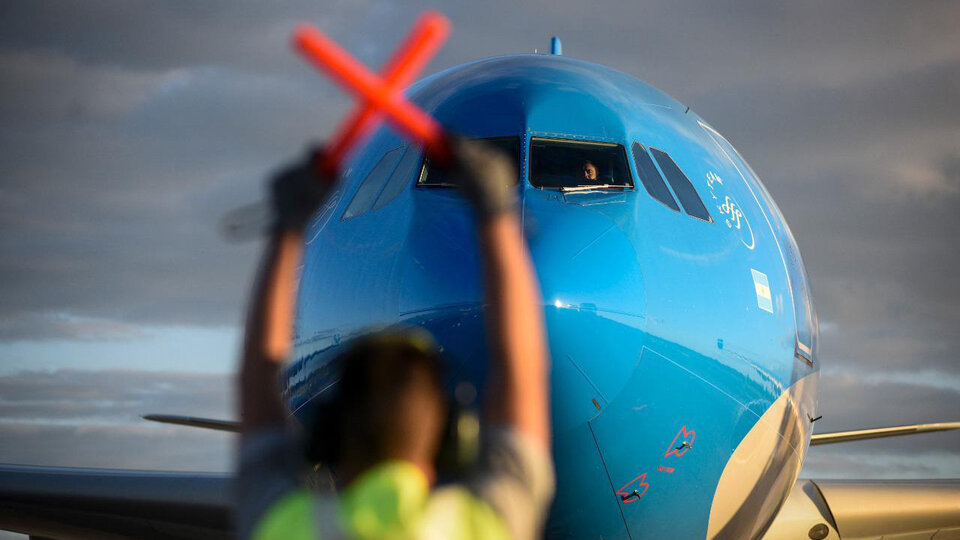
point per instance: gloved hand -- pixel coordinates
(484, 175)
(297, 192)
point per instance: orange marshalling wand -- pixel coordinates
(379, 96)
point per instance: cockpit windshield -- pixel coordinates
(578, 165)
(434, 176)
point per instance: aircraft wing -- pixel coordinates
(869, 509)
(69, 504)
(73, 504)
(880, 433)
(231, 426)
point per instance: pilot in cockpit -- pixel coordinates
(590, 171)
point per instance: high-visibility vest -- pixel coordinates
(391, 501)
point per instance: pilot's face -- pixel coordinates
(590, 171)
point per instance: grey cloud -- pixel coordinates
(850, 400)
(246, 36)
(110, 200)
(162, 35)
(37, 86)
(117, 447)
(873, 146)
(114, 394)
(692, 49)
(851, 464)
(96, 414)
(44, 326)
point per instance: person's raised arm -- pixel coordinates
(296, 193)
(517, 387)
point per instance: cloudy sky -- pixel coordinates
(128, 128)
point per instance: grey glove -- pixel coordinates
(297, 192)
(484, 175)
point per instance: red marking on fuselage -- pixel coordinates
(379, 96)
(680, 445)
(626, 492)
(661, 468)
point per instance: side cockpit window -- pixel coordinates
(686, 193)
(651, 179)
(370, 187)
(402, 176)
(433, 176)
(578, 165)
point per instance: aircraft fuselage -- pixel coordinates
(683, 337)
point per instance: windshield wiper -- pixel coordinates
(591, 187)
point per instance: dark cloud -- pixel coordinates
(126, 130)
(117, 163)
(176, 34)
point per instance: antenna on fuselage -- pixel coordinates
(556, 48)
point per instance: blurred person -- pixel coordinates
(390, 411)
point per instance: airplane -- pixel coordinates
(680, 319)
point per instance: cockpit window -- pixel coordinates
(692, 204)
(433, 176)
(573, 165)
(372, 184)
(651, 179)
(401, 178)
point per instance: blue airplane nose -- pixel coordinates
(625, 412)
(592, 288)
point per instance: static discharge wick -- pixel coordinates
(379, 96)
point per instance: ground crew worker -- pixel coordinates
(389, 436)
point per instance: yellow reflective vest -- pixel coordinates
(389, 502)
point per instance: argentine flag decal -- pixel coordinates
(760, 283)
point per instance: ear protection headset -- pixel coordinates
(459, 444)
